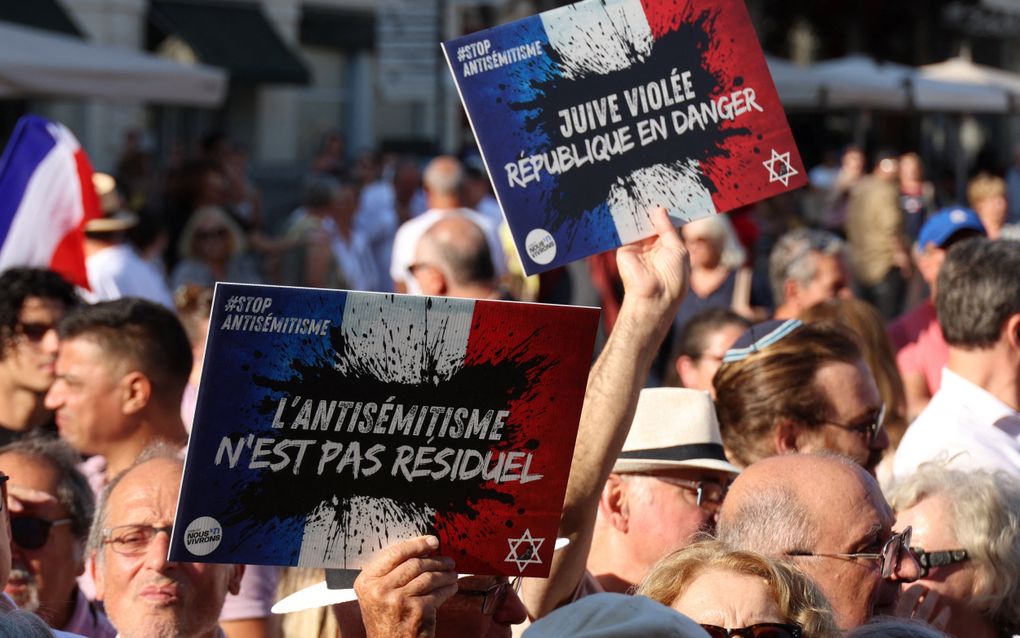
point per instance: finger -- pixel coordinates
(437, 597)
(392, 555)
(927, 607)
(412, 568)
(908, 600)
(427, 583)
(664, 228)
(20, 498)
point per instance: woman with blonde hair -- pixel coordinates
(212, 248)
(725, 590)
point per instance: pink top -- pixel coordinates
(88, 619)
(920, 346)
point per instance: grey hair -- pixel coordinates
(791, 258)
(978, 291)
(19, 623)
(720, 229)
(775, 522)
(890, 627)
(444, 175)
(984, 511)
(157, 450)
(73, 490)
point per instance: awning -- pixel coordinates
(35, 62)
(47, 15)
(344, 29)
(235, 36)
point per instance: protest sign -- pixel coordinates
(330, 424)
(588, 115)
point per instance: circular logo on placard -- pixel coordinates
(203, 536)
(541, 246)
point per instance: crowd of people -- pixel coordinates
(803, 419)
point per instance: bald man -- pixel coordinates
(828, 514)
(453, 260)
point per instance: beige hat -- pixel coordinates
(673, 428)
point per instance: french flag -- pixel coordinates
(46, 198)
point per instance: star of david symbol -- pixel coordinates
(524, 556)
(786, 169)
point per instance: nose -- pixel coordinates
(908, 569)
(880, 441)
(156, 552)
(55, 397)
(50, 342)
(512, 611)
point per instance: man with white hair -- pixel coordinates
(806, 267)
(443, 180)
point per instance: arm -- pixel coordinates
(654, 273)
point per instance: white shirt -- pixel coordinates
(405, 245)
(965, 424)
(354, 256)
(118, 271)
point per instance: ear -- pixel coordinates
(685, 370)
(136, 392)
(786, 436)
(1012, 330)
(791, 290)
(613, 503)
(431, 281)
(236, 573)
(97, 575)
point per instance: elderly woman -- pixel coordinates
(967, 537)
(728, 590)
(212, 249)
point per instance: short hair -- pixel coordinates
(19, 623)
(17, 285)
(719, 228)
(774, 522)
(792, 258)
(798, 599)
(979, 290)
(692, 341)
(890, 627)
(984, 515)
(444, 175)
(778, 382)
(73, 490)
(466, 258)
(140, 332)
(985, 186)
(154, 451)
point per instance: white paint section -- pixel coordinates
(50, 208)
(675, 186)
(598, 36)
(395, 335)
(348, 540)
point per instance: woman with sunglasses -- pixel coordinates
(739, 593)
(966, 536)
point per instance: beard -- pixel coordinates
(29, 598)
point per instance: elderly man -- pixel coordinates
(973, 419)
(32, 302)
(145, 595)
(829, 516)
(806, 267)
(453, 260)
(49, 533)
(786, 387)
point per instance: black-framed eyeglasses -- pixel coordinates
(34, 331)
(493, 597)
(132, 540)
(29, 532)
(757, 630)
(940, 558)
(889, 558)
(868, 428)
(710, 494)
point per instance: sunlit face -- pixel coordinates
(705, 249)
(144, 594)
(30, 354)
(831, 281)
(698, 373)
(728, 599)
(930, 519)
(43, 579)
(992, 211)
(854, 403)
(87, 396)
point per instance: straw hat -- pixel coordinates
(673, 428)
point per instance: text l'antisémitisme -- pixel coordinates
(449, 450)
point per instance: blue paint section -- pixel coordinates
(507, 130)
(232, 404)
(30, 143)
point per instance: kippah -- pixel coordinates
(760, 336)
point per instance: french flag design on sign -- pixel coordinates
(46, 197)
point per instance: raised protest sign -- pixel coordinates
(588, 115)
(330, 424)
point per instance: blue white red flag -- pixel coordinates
(46, 197)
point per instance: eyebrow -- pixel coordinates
(872, 537)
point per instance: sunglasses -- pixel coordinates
(942, 558)
(710, 494)
(494, 597)
(868, 428)
(34, 331)
(889, 559)
(32, 533)
(758, 630)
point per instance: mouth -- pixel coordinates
(160, 594)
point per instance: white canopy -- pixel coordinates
(35, 62)
(796, 84)
(964, 71)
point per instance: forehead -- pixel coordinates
(41, 309)
(30, 471)
(146, 494)
(82, 351)
(849, 388)
(849, 509)
(931, 523)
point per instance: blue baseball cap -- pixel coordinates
(946, 223)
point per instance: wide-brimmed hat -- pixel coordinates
(673, 428)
